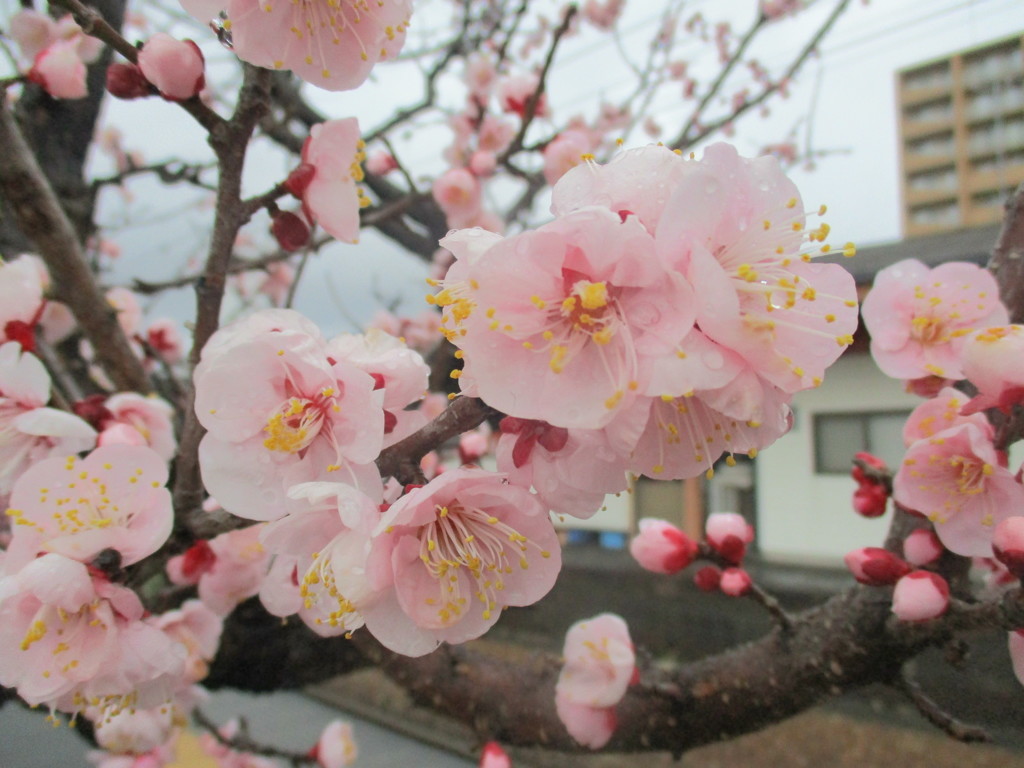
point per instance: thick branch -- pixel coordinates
(40, 217)
(1007, 262)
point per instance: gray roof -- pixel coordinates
(974, 245)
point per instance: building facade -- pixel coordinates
(961, 136)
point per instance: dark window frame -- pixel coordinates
(863, 418)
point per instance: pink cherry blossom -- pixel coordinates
(60, 70)
(68, 640)
(729, 534)
(239, 564)
(1008, 544)
(198, 629)
(919, 318)
(175, 67)
(336, 748)
(516, 91)
(458, 192)
(302, 417)
(624, 185)
(603, 15)
(136, 732)
(661, 547)
(323, 570)
(164, 339)
(461, 548)
(922, 547)
(30, 432)
(569, 149)
(34, 32)
(149, 417)
(22, 283)
(571, 470)
(599, 661)
(398, 371)
(113, 499)
(875, 566)
(593, 727)
(537, 314)
(736, 227)
(333, 47)
(991, 359)
(735, 582)
(919, 596)
(956, 479)
(327, 180)
(939, 413)
(599, 665)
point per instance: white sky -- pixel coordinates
(855, 114)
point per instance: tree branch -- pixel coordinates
(40, 217)
(229, 141)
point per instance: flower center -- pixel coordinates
(972, 474)
(468, 544)
(294, 424)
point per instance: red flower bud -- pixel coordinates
(707, 578)
(126, 81)
(875, 566)
(290, 230)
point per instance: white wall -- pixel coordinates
(803, 516)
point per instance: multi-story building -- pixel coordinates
(961, 136)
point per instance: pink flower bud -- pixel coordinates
(1008, 545)
(175, 67)
(380, 163)
(472, 445)
(126, 81)
(919, 596)
(483, 163)
(493, 756)
(922, 547)
(661, 547)
(875, 566)
(728, 534)
(290, 231)
(708, 578)
(735, 582)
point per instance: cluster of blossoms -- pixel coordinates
(664, 318)
(935, 328)
(432, 564)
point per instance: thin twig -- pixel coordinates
(242, 742)
(938, 717)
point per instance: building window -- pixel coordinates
(838, 436)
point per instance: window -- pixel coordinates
(838, 436)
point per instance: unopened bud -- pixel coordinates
(735, 582)
(919, 596)
(299, 179)
(922, 547)
(290, 230)
(661, 547)
(126, 81)
(875, 566)
(728, 534)
(708, 578)
(1008, 545)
